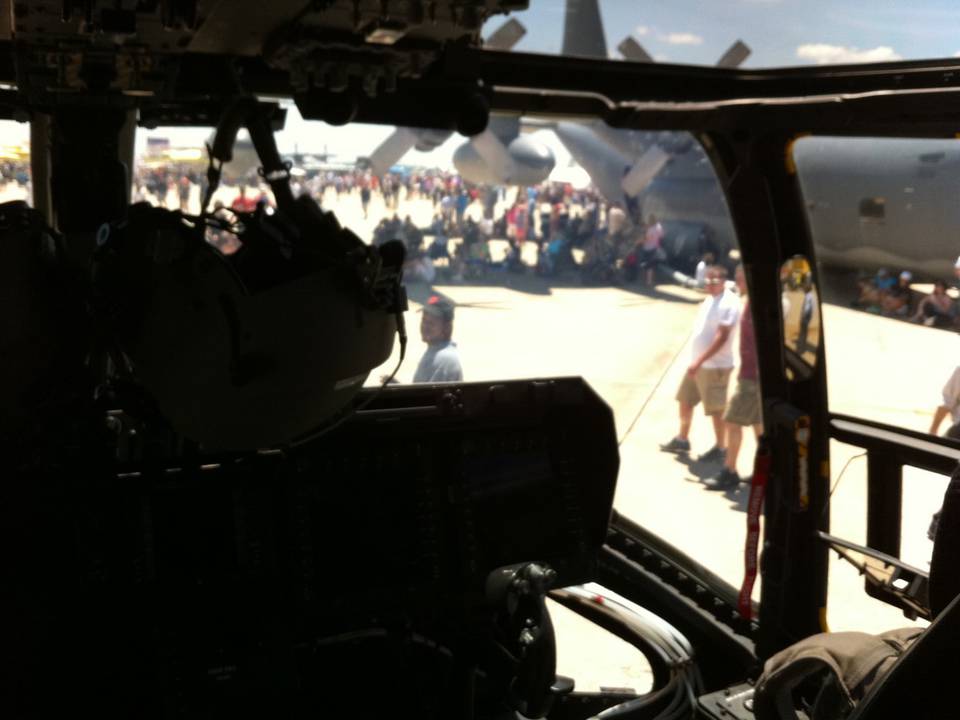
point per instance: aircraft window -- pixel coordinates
(546, 278)
(890, 310)
(889, 306)
(873, 208)
(848, 608)
(756, 34)
(922, 496)
(561, 275)
(15, 162)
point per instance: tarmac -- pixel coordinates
(632, 346)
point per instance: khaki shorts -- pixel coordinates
(744, 407)
(708, 385)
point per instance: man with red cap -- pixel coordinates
(441, 361)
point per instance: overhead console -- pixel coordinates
(408, 550)
(179, 61)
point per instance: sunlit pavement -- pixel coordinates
(632, 348)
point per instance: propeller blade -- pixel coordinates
(735, 55)
(634, 51)
(494, 154)
(505, 36)
(644, 170)
(392, 149)
(604, 164)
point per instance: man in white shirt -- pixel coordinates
(708, 374)
(441, 361)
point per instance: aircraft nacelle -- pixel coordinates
(428, 139)
(524, 162)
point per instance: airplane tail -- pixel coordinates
(583, 30)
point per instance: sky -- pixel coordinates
(779, 32)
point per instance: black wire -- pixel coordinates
(836, 482)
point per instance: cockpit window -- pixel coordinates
(758, 34)
(531, 254)
(527, 257)
(890, 314)
(15, 162)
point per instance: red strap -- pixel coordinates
(758, 486)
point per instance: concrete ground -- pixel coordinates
(632, 346)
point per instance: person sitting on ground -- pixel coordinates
(381, 233)
(706, 261)
(936, 309)
(412, 236)
(439, 248)
(873, 290)
(419, 268)
(486, 228)
(898, 300)
(557, 256)
(465, 252)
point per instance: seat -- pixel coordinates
(920, 685)
(866, 677)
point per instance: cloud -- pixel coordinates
(824, 54)
(641, 30)
(957, 53)
(683, 39)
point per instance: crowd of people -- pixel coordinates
(574, 232)
(894, 296)
(12, 171)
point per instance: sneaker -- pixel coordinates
(723, 480)
(677, 445)
(714, 453)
